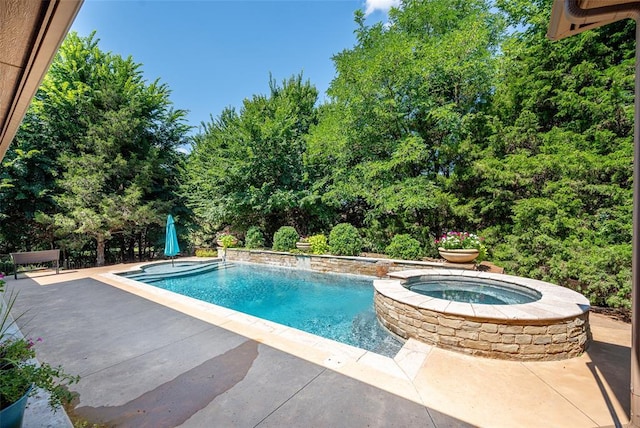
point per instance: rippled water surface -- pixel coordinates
(475, 290)
(338, 307)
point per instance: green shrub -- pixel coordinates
(206, 252)
(285, 239)
(254, 238)
(227, 240)
(6, 266)
(318, 244)
(344, 240)
(375, 237)
(404, 247)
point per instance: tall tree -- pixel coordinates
(27, 176)
(247, 168)
(554, 184)
(112, 140)
(397, 117)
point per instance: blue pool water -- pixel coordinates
(337, 307)
(475, 290)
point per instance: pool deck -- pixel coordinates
(150, 358)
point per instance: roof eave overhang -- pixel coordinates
(43, 25)
(569, 17)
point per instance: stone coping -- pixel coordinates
(350, 360)
(556, 303)
(352, 258)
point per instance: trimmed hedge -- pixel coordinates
(344, 240)
(285, 239)
(206, 252)
(319, 244)
(404, 247)
(6, 267)
(254, 238)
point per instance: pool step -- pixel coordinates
(201, 268)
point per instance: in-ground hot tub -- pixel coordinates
(485, 314)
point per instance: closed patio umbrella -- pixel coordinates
(171, 247)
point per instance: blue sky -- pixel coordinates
(213, 54)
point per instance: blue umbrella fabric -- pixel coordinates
(171, 247)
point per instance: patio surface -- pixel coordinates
(151, 358)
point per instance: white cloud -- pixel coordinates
(381, 5)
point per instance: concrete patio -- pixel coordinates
(151, 358)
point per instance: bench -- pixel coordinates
(34, 257)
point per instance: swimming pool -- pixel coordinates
(337, 307)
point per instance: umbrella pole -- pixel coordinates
(172, 261)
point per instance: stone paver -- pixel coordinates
(142, 358)
(144, 364)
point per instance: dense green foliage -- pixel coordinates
(20, 373)
(100, 146)
(553, 184)
(385, 149)
(437, 120)
(246, 168)
(206, 252)
(404, 247)
(344, 240)
(227, 241)
(319, 244)
(254, 238)
(6, 266)
(285, 239)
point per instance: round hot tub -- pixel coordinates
(474, 290)
(485, 314)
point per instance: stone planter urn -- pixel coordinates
(231, 242)
(459, 256)
(303, 246)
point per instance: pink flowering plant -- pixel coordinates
(462, 241)
(20, 372)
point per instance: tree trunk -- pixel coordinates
(123, 254)
(130, 246)
(100, 250)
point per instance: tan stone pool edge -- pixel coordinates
(586, 391)
(391, 374)
(552, 328)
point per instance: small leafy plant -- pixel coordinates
(254, 238)
(227, 241)
(404, 247)
(319, 244)
(285, 239)
(206, 252)
(20, 373)
(344, 240)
